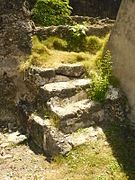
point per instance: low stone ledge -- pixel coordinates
(62, 31)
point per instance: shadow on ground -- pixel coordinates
(122, 141)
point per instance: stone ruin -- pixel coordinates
(51, 104)
(15, 45)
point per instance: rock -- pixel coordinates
(56, 143)
(81, 95)
(7, 156)
(82, 136)
(71, 70)
(47, 137)
(16, 138)
(75, 115)
(60, 78)
(63, 89)
(62, 31)
(115, 106)
(113, 93)
(47, 73)
(5, 144)
(36, 128)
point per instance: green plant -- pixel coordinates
(77, 38)
(51, 12)
(101, 78)
(94, 44)
(104, 64)
(99, 87)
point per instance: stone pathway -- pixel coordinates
(63, 94)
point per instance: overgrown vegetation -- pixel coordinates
(79, 48)
(51, 12)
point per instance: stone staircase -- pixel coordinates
(66, 109)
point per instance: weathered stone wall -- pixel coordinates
(15, 45)
(94, 8)
(122, 46)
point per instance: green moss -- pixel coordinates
(55, 43)
(93, 44)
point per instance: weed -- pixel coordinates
(98, 87)
(101, 76)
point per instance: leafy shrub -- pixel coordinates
(94, 44)
(51, 12)
(55, 43)
(101, 79)
(77, 38)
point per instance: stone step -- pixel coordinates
(63, 89)
(52, 141)
(47, 137)
(70, 70)
(43, 72)
(75, 115)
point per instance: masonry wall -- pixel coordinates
(122, 46)
(15, 45)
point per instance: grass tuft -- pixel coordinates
(94, 44)
(55, 43)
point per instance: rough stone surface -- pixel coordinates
(56, 143)
(43, 72)
(116, 106)
(92, 20)
(122, 46)
(47, 137)
(65, 127)
(62, 31)
(73, 70)
(84, 135)
(63, 89)
(15, 45)
(75, 115)
(16, 138)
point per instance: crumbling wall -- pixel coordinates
(122, 46)
(15, 45)
(96, 8)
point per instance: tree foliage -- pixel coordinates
(51, 12)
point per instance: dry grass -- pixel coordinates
(50, 57)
